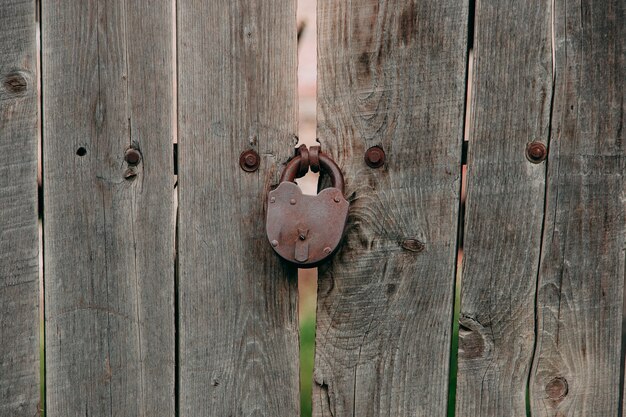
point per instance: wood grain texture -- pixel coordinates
(108, 227)
(391, 73)
(512, 89)
(580, 289)
(238, 324)
(19, 243)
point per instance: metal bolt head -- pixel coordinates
(536, 152)
(375, 157)
(249, 160)
(336, 199)
(273, 200)
(292, 201)
(132, 156)
(274, 243)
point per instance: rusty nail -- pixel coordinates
(292, 201)
(249, 160)
(375, 157)
(536, 152)
(132, 156)
(327, 250)
(274, 243)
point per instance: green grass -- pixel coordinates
(307, 352)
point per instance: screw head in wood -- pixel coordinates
(249, 160)
(375, 157)
(536, 152)
(132, 156)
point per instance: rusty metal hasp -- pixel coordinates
(307, 229)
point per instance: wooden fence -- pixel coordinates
(162, 296)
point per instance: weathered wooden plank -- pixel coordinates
(19, 243)
(580, 289)
(238, 304)
(108, 227)
(391, 74)
(512, 85)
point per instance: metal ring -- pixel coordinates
(327, 165)
(314, 157)
(303, 167)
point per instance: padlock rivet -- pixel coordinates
(337, 199)
(292, 201)
(273, 200)
(327, 250)
(274, 243)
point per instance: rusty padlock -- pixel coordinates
(307, 229)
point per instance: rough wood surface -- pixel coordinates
(238, 324)
(580, 289)
(512, 90)
(19, 244)
(390, 74)
(108, 228)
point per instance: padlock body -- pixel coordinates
(305, 229)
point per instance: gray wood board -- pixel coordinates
(580, 290)
(511, 90)
(19, 243)
(238, 303)
(391, 74)
(108, 73)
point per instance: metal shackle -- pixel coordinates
(293, 169)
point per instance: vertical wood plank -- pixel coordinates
(390, 74)
(19, 243)
(580, 290)
(512, 89)
(109, 227)
(237, 302)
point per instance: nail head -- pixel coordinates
(132, 156)
(536, 152)
(375, 157)
(249, 160)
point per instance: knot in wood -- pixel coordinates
(557, 389)
(15, 83)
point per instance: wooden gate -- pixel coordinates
(162, 296)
